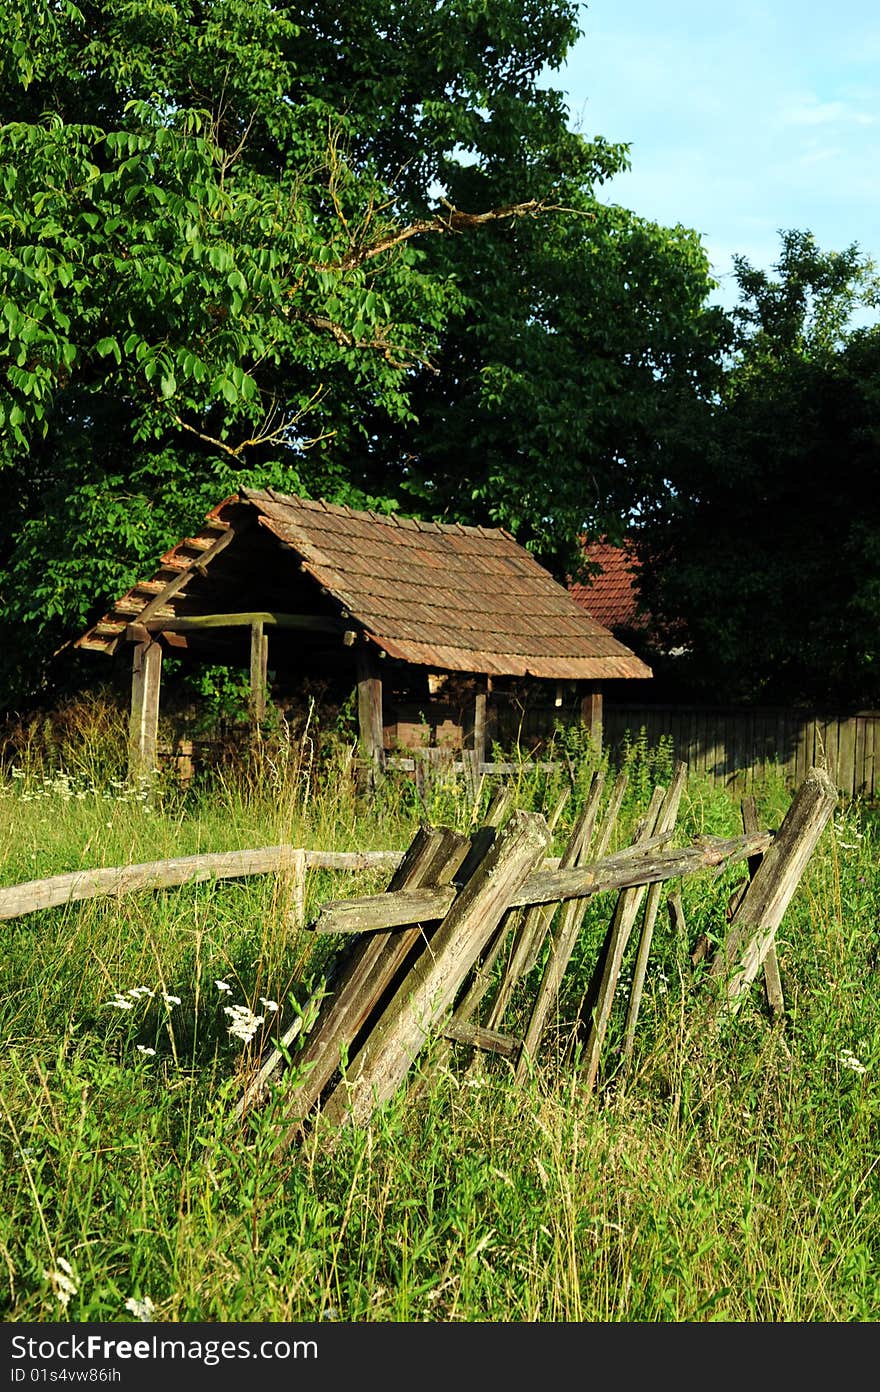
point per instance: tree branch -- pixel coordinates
(454, 220)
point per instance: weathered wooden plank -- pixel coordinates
(476, 848)
(430, 988)
(413, 862)
(846, 779)
(481, 977)
(561, 948)
(479, 733)
(754, 925)
(592, 717)
(369, 705)
(259, 671)
(829, 744)
(861, 787)
(772, 977)
(666, 819)
(804, 754)
(79, 885)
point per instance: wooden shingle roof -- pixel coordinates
(440, 595)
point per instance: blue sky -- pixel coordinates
(743, 118)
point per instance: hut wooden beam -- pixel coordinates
(194, 623)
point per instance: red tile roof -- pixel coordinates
(609, 597)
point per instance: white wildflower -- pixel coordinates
(141, 1309)
(223, 986)
(849, 1060)
(269, 1005)
(244, 1022)
(145, 1049)
(63, 1283)
(171, 1000)
(121, 1003)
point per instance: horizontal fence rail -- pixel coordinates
(78, 885)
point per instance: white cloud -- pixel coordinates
(742, 121)
(813, 112)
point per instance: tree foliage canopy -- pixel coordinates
(762, 556)
(353, 250)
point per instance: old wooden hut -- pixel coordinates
(406, 610)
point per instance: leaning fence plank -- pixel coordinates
(435, 855)
(426, 995)
(608, 971)
(666, 819)
(603, 840)
(561, 948)
(772, 978)
(416, 860)
(754, 925)
(481, 840)
(535, 921)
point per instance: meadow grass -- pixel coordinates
(726, 1176)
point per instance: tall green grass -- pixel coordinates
(728, 1175)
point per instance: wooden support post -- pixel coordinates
(480, 729)
(369, 685)
(144, 722)
(259, 672)
(591, 715)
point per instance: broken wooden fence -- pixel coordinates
(421, 957)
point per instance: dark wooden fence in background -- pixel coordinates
(733, 746)
(729, 745)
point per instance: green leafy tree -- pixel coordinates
(244, 243)
(763, 558)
